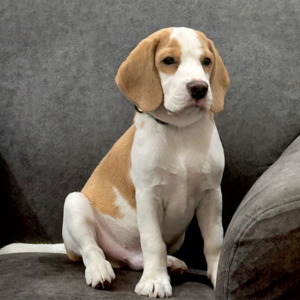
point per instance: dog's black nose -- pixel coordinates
(197, 89)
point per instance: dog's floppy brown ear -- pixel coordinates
(138, 78)
(219, 81)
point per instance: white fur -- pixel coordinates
(176, 170)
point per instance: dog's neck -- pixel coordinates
(157, 120)
(183, 119)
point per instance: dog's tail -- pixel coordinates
(26, 248)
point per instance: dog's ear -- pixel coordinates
(138, 78)
(219, 81)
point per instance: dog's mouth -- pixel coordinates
(199, 105)
(202, 104)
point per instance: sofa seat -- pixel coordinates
(54, 276)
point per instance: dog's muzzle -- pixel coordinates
(197, 89)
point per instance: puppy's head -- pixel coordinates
(177, 67)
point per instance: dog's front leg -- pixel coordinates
(155, 281)
(209, 216)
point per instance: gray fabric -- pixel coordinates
(260, 257)
(60, 110)
(54, 276)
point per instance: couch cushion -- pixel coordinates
(261, 253)
(54, 276)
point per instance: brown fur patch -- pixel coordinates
(138, 78)
(73, 256)
(168, 48)
(211, 116)
(113, 171)
(142, 125)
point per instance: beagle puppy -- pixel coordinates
(136, 206)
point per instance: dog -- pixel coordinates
(136, 206)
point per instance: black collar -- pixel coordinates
(157, 120)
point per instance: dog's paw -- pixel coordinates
(212, 276)
(176, 265)
(154, 286)
(212, 273)
(99, 274)
(212, 268)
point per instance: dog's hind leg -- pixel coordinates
(176, 265)
(80, 238)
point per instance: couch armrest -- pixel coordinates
(260, 258)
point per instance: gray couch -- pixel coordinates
(60, 112)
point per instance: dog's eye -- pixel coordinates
(168, 61)
(206, 61)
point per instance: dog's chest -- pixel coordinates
(178, 165)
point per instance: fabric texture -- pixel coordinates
(260, 257)
(37, 276)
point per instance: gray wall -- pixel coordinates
(60, 110)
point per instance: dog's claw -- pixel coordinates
(99, 275)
